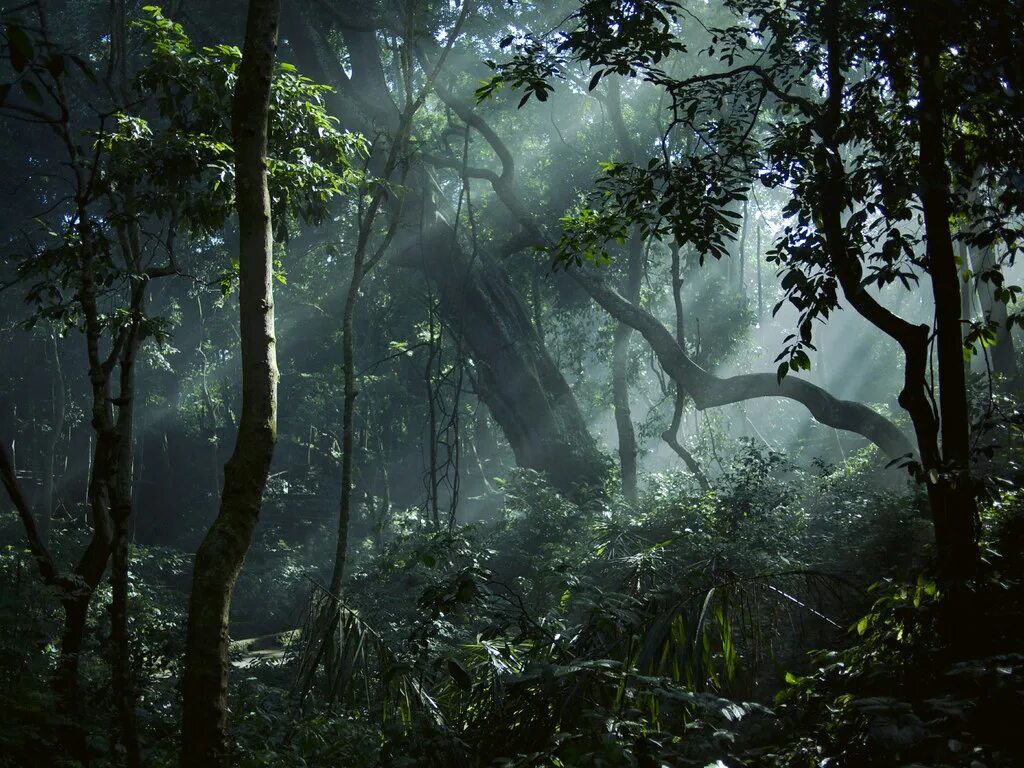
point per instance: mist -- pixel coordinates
(491, 383)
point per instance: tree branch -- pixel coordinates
(47, 567)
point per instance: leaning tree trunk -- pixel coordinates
(516, 378)
(220, 556)
(519, 382)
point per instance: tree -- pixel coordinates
(220, 557)
(90, 271)
(524, 390)
(851, 106)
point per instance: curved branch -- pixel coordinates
(708, 390)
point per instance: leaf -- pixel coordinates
(466, 591)
(863, 624)
(21, 47)
(55, 65)
(460, 675)
(595, 80)
(31, 91)
(83, 65)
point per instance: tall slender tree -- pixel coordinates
(220, 556)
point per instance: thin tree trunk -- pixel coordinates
(65, 683)
(620, 343)
(121, 509)
(759, 257)
(348, 413)
(956, 515)
(743, 249)
(1004, 353)
(432, 436)
(620, 377)
(671, 435)
(58, 414)
(208, 405)
(220, 556)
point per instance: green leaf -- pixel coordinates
(863, 624)
(783, 370)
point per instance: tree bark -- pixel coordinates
(58, 414)
(220, 556)
(517, 380)
(955, 516)
(620, 342)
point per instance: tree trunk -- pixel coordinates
(517, 379)
(65, 683)
(955, 517)
(620, 376)
(620, 342)
(220, 556)
(671, 435)
(120, 484)
(1004, 353)
(58, 414)
(348, 412)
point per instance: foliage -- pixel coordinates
(895, 695)
(190, 167)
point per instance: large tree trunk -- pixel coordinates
(220, 556)
(519, 382)
(516, 378)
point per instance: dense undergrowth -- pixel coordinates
(560, 633)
